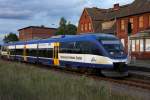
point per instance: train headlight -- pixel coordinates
(110, 61)
(112, 53)
(122, 53)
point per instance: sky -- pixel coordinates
(17, 14)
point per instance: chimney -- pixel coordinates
(116, 6)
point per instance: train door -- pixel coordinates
(55, 53)
(24, 53)
(8, 53)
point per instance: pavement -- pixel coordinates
(140, 74)
(140, 65)
(140, 68)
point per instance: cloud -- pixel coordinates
(16, 14)
(28, 9)
(11, 14)
(17, 9)
(108, 3)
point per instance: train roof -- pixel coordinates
(64, 38)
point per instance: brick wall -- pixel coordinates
(25, 34)
(141, 55)
(123, 33)
(42, 33)
(35, 33)
(85, 23)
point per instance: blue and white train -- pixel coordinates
(103, 52)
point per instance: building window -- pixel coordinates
(149, 20)
(147, 47)
(90, 26)
(85, 16)
(85, 27)
(137, 46)
(133, 45)
(141, 22)
(141, 45)
(82, 27)
(123, 42)
(122, 25)
(131, 21)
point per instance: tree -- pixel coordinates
(11, 37)
(66, 28)
(62, 22)
(71, 29)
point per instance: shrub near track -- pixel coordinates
(26, 82)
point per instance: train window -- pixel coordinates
(19, 51)
(69, 47)
(63, 47)
(96, 51)
(34, 52)
(31, 52)
(12, 52)
(4, 48)
(106, 38)
(50, 53)
(80, 47)
(42, 53)
(77, 50)
(27, 52)
(87, 47)
(47, 53)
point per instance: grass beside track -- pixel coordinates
(26, 82)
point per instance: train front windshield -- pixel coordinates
(112, 45)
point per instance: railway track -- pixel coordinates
(129, 81)
(138, 83)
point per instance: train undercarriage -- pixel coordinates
(119, 70)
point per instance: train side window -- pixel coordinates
(71, 47)
(96, 51)
(4, 48)
(48, 53)
(27, 52)
(87, 47)
(12, 52)
(77, 50)
(79, 47)
(31, 52)
(19, 51)
(67, 47)
(41, 52)
(63, 47)
(34, 52)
